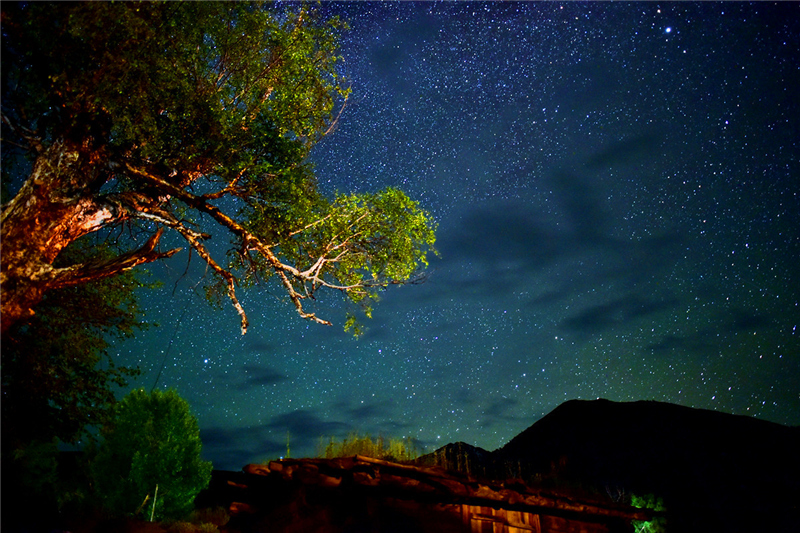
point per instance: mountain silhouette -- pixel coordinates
(714, 471)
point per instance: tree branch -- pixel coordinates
(194, 239)
(98, 269)
(335, 121)
(248, 240)
(34, 141)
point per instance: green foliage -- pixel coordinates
(396, 450)
(227, 98)
(153, 439)
(649, 501)
(391, 236)
(38, 461)
(358, 243)
(178, 83)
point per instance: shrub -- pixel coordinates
(217, 516)
(181, 527)
(649, 501)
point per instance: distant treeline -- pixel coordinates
(387, 449)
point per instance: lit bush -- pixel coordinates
(649, 501)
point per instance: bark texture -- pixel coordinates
(58, 204)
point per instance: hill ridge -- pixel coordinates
(716, 471)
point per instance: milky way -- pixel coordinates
(617, 188)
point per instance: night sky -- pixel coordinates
(617, 188)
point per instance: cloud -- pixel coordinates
(464, 396)
(370, 418)
(258, 345)
(583, 214)
(614, 313)
(510, 248)
(749, 320)
(234, 447)
(305, 425)
(504, 232)
(695, 343)
(624, 151)
(499, 410)
(363, 412)
(713, 340)
(256, 376)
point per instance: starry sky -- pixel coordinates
(617, 188)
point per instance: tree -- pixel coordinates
(152, 439)
(57, 381)
(136, 118)
(57, 374)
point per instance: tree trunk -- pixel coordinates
(58, 203)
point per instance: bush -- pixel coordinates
(217, 516)
(181, 527)
(649, 501)
(152, 441)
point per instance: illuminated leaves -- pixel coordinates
(183, 85)
(358, 243)
(210, 108)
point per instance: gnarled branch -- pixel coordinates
(251, 242)
(103, 268)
